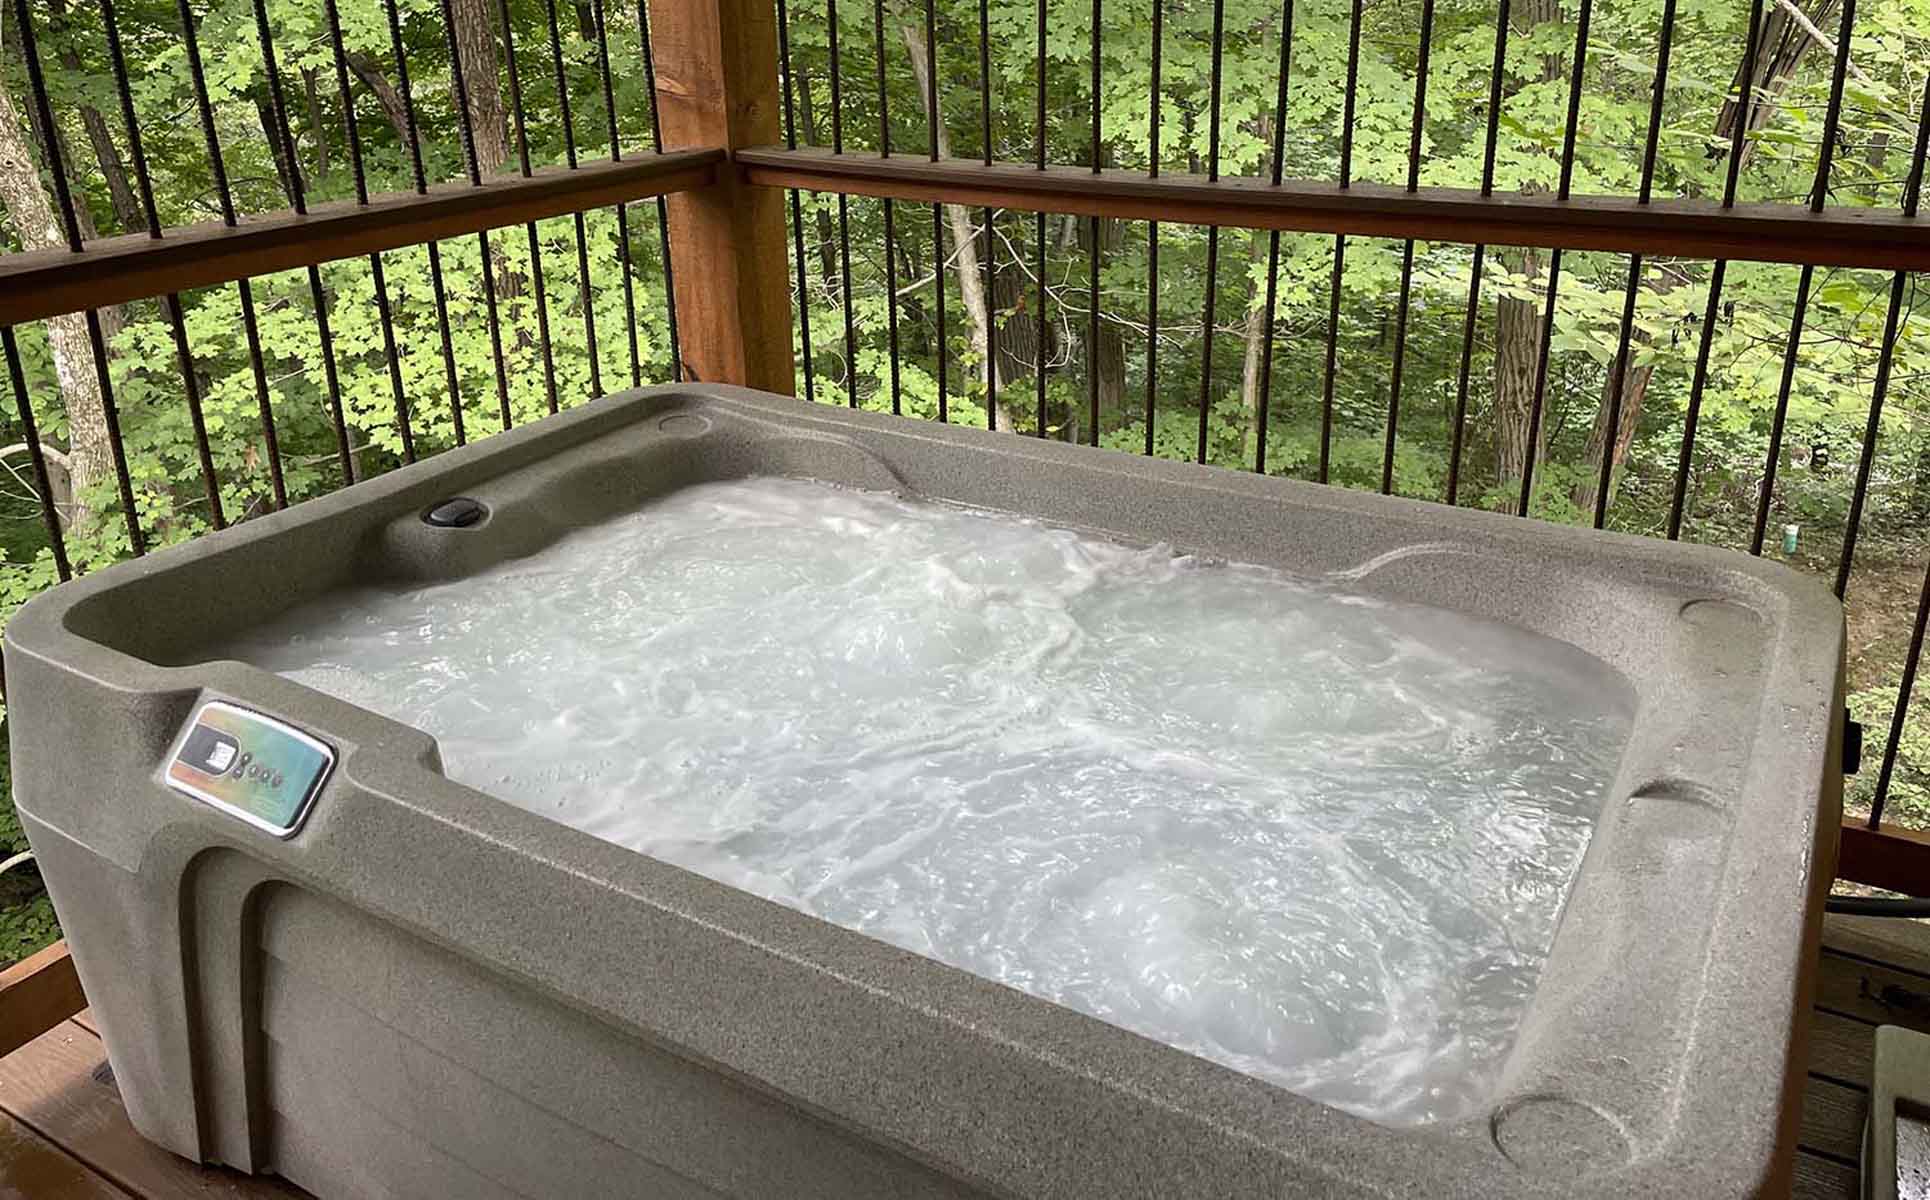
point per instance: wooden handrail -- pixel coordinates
(36, 994)
(1782, 233)
(1888, 857)
(46, 283)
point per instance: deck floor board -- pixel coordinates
(63, 1130)
(58, 1087)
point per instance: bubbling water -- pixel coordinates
(1320, 838)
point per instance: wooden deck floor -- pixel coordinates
(63, 1132)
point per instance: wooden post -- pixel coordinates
(717, 86)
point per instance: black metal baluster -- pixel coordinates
(1038, 366)
(171, 303)
(1407, 253)
(1402, 309)
(1152, 230)
(1092, 259)
(1333, 359)
(1911, 660)
(96, 340)
(1541, 386)
(1092, 334)
(1459, 432)
(663, 209)
(1574, 99)
(1208, 321)
(990, 268)
(1152, 328)
(844, 210)
(1740, 126)
(1706, 340)
(616, 155)
(891, 232)
(938, 311)
(1618, 373)
(474, 165)
(1655, 100)
(1886, 357)
(1791, 350)
(1913, 186)
(1617, 383)
(450, 377)
(985, 80)
(576, 218)
(935, 119)
(1885, 361)
(49, 515)
(1833, 116)
(1494, 97)
(990, 272)
(797, 211)
(1038, 135)
(521, 123)
(1212, 231)
(1340, 245)
(891, 301)
(1265, 398)
(383, 312)
(1580, 61)
(1347, 101)
(1273, 242)
(1678, 504)
(1038, 144)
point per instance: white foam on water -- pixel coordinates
(1320, 838)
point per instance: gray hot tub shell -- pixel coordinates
(427, 991)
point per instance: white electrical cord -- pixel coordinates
(16, 860)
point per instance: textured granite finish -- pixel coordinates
(430, 992)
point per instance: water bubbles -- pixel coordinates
(1317, 837)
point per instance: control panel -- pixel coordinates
(250, 766)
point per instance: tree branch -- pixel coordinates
(370, 73)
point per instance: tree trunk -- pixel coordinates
(1779, 51)
(971, 280)
(1517, 356)
(1256, 341)
(90, 461)
(370, 73)
(1636, 390)
(284, 170)
(1517, 332)
(127, 208)
(1112, 342)
(476, 45)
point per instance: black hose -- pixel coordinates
(1877, 906)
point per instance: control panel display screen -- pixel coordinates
(250, 766)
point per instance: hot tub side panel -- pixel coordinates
(425, 977)
(281, 1030)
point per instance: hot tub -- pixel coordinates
(314, 949)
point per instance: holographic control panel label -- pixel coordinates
(249, 766)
